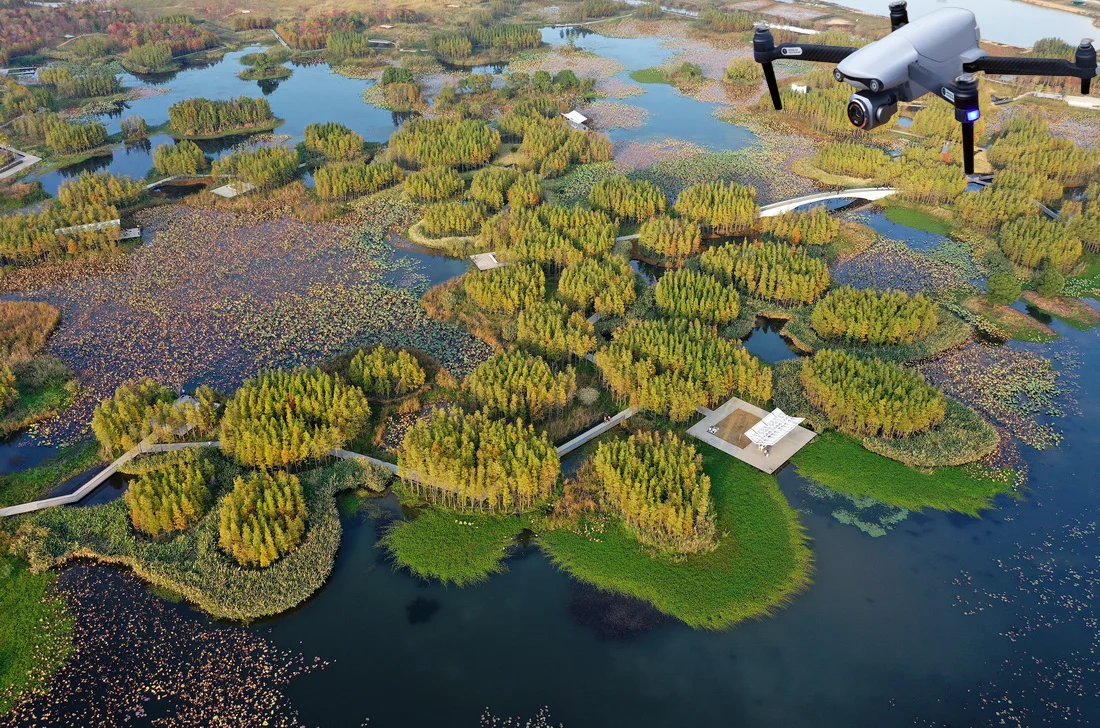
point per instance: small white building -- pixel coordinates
(799, 88)
(577, 120)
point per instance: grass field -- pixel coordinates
(762, 559)
(1016, 324)
(35, 630)
(454, 548)
(841, 463)
(917, 219)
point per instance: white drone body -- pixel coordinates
(940, 42)
(936, 54)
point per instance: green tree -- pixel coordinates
(1003, 288)
(263, 518)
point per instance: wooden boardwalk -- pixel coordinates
(148, 447)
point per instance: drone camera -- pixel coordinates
(868, 110)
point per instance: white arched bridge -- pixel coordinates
(862, 193)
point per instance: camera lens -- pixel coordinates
(857, 114)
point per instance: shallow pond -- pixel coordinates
(669, 114)
(1004, 21)
(765, 343)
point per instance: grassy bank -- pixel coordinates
(191, 564)
(916, 218)
(35, 630)
(31, 483)
(228, 132)
(1015, 324)
(841, 463)
(951, 332)
(455, 548)
(761, 562)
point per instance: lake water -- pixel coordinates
(669, 114)
(313, 93)
(1004, 21)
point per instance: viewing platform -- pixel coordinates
(725, 428)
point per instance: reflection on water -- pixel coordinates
(765, 342)
(21, 452)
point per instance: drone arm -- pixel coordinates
(1083, 66)
(764, 51)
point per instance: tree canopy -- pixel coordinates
(723, 208)
(550, 329)
(473, 461)
(675, 366)
(519, 385)
(655, 481)
(604, 284)
(874, 317)
(769, 270)
(506, 289)
(446, 142)
(385, 372)
(263, 518)
(283, 417)
(693, 294)
(870, 397)
(172, 497)
(669, 238)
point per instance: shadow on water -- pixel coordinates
(612, 617)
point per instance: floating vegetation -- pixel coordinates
(613, 115)
(582, 63)
(1041, 594)
(214, 298)
(158, 656)
(1013, 387)
(890, 264)
(873, 517)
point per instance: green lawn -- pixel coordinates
(761, 562)
(841, 463)
(455, 548)
(649, 75)
(917, 219)
(35, 630)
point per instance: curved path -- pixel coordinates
(862, 193)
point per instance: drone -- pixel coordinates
(936, 54)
